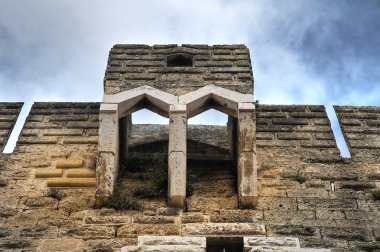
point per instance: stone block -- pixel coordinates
(293, 136)
(62, 132)
(48, 173)
(319, 144)
(313, 203)
(68, 117)
(163, 248)
(62, 245)
(192, 218)
(39, 231)
(71, 182)
(225, 229)
(88, 232)
(355, 185)
(271, 241)
(82, 125)
(292, 230)
(81, 173)
(169, 211)
(290, 121)
(107, 220)
(170, 240)
(134, 230)
(81, 140)
(155, 219)
(69, 164)
(15, 244)
(5, 125)
(351, 234)
(308, 115)
(232, 218)
(39, 140)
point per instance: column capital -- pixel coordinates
(178, 108)
(108, 108)
(246, 106)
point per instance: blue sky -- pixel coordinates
(303, 52)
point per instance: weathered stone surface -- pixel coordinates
(214, 229)
(64, 245)
(170, 240)
(134, 230)
(71, 182)
(154, 59)
(271, 241)
(88, 232)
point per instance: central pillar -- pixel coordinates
(246, 155)
(177, 156)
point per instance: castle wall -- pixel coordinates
(131, 66)
(361, 129)
(332, 208)
(9, 112)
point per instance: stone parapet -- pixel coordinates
(178, 69)
(361, 129)
(9, 112)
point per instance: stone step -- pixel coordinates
(172, 240)
(81, 173)
(163, 248)
(71, 182)
(69, 164)
(48, 173)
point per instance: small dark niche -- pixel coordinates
(224, 244)
(180, 60)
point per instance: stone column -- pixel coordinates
(246, 157)
(108, 153)
(177, 156)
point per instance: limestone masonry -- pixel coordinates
(83, 177)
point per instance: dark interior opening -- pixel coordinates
(180, 60)
(224, 244)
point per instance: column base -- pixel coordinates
(178, 201)
(247, 202)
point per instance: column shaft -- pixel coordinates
(108, 153)
(177, 156)
(246, 148)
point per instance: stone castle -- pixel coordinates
(83, 177)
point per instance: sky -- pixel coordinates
(303, 51)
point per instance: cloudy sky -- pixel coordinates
(303, 51)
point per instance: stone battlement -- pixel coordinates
(178, 69)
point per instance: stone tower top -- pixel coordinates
(178, 69)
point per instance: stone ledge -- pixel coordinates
(69, 164)
(48, 173)
(71, 182)
(81, 173)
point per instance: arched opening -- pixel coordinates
(143, 171)
(211, 163)
(124, 163)
(115, 123)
